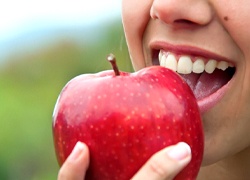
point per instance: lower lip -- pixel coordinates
(207, 103)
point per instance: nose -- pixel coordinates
(182, 12)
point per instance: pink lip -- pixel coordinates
(187, 50)
(208, 102)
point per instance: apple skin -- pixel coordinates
(125, 119)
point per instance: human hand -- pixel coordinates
(76, 165)
(164, 165)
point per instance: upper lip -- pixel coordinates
(187, 50)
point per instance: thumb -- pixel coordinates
(76, 164)
(165, 164)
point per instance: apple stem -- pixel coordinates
(111, 58)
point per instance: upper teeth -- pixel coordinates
(185, 65)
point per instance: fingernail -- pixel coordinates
(180, 151)
(78, 149)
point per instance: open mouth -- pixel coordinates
(206, 77)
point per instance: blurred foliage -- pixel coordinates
(30, 83)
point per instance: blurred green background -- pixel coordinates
(31, 78)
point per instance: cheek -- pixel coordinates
(239, 31)
(135, 17)
(235, 18)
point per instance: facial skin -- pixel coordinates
(210, 29)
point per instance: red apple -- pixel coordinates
(125, 118)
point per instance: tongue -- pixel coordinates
(206, 84)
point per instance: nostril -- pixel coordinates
(183, 21)
(177, 12)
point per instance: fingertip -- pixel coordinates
(166, 164)
(180, 151)
(79, 150)
(76, 164)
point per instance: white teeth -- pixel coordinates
(210, 66)
(198, 66)
(169, 61)
(223, 65)
(184, 64)
(160, 55)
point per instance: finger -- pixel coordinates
(165, 164)
(76, 165)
